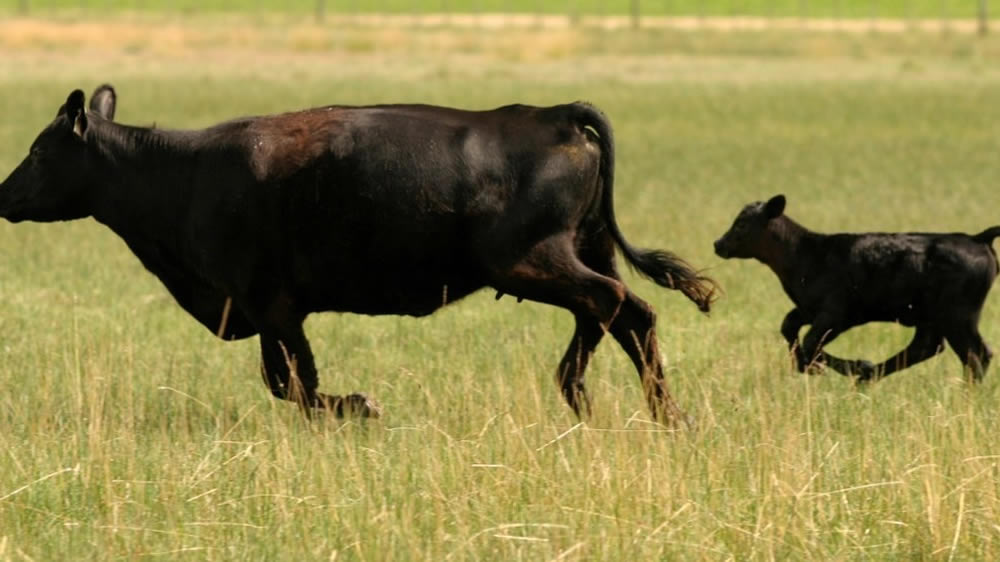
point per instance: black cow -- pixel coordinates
(935, 282)
(396, 209)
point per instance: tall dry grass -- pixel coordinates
(130, 432)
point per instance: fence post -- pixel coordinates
(635, 13)
(320, 10)
(984, 17)
(22, 7)
(574, 13)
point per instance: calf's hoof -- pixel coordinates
(814, 368)
(865, 370)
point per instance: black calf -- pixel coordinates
(934, 282)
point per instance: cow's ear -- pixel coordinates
(774, 207)
(74, 111)
(103, 102)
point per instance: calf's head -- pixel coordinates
(57, 178)
(747, 237)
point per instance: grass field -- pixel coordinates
(131, 433)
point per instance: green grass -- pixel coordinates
(131, 433)
(766, 8)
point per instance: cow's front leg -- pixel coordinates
(289, 371)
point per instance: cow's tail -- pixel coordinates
(660, 266)
(987, 236)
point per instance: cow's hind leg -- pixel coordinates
(574, 363)
(635, 330)
(289, 371)
(552, 273)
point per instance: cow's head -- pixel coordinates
(746, 238)
(56, 180)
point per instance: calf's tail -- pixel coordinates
(660, 266)
(987, 236)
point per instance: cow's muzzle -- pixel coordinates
(721, 250)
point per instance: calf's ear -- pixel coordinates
(774, 207)
(103, 101)
(74, 111)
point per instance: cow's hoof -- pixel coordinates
(689, 421)
(672, 417)
(355, 405)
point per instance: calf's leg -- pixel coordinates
(790, 328)
(926, 343)
(824, 330)
(972, 351)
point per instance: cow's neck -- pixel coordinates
(144, 174)
(786, 240)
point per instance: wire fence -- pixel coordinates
(889, 15)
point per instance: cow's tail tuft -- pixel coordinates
(987, 236)
(660, 266)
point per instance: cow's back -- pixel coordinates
(395, 209)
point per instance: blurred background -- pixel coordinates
(808, 14)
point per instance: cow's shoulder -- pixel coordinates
(283, 144)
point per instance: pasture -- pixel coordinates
(129, 432)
